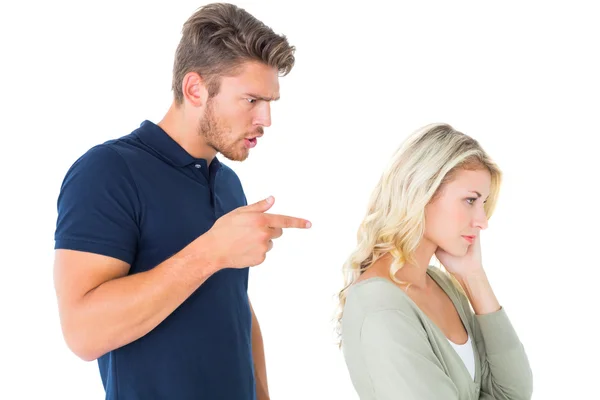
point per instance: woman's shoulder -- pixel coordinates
(373, 295)
(377, 304)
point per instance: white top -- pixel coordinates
(465, 352)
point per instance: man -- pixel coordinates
(154, 236)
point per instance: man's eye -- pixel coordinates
(251, 101)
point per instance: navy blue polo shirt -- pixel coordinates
(142, 198)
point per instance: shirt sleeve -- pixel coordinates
(506, 371)
(400, 361)
(98, 206)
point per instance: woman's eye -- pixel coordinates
(471, 200)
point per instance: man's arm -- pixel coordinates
(258, 355)
(102, 309)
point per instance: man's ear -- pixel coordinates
(194, 89)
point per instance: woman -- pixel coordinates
(414, 331)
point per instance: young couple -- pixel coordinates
(154, 240)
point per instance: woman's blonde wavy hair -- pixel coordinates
(395, 219)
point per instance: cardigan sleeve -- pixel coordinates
(506, 371)
(400, 361)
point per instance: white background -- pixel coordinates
(521, 77)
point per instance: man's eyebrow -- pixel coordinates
(257, 97)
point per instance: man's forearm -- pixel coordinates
(258, 355)
(122, 310)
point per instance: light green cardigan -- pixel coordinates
(395, 352)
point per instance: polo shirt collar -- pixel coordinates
(158, 140)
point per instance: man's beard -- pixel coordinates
(216, 136)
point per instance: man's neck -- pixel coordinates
(185, 133)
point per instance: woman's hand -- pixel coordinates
(462, 266)
(468, 271)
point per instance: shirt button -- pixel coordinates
(198, 166)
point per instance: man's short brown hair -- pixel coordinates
(218, 38)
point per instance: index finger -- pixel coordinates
(285, 221)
